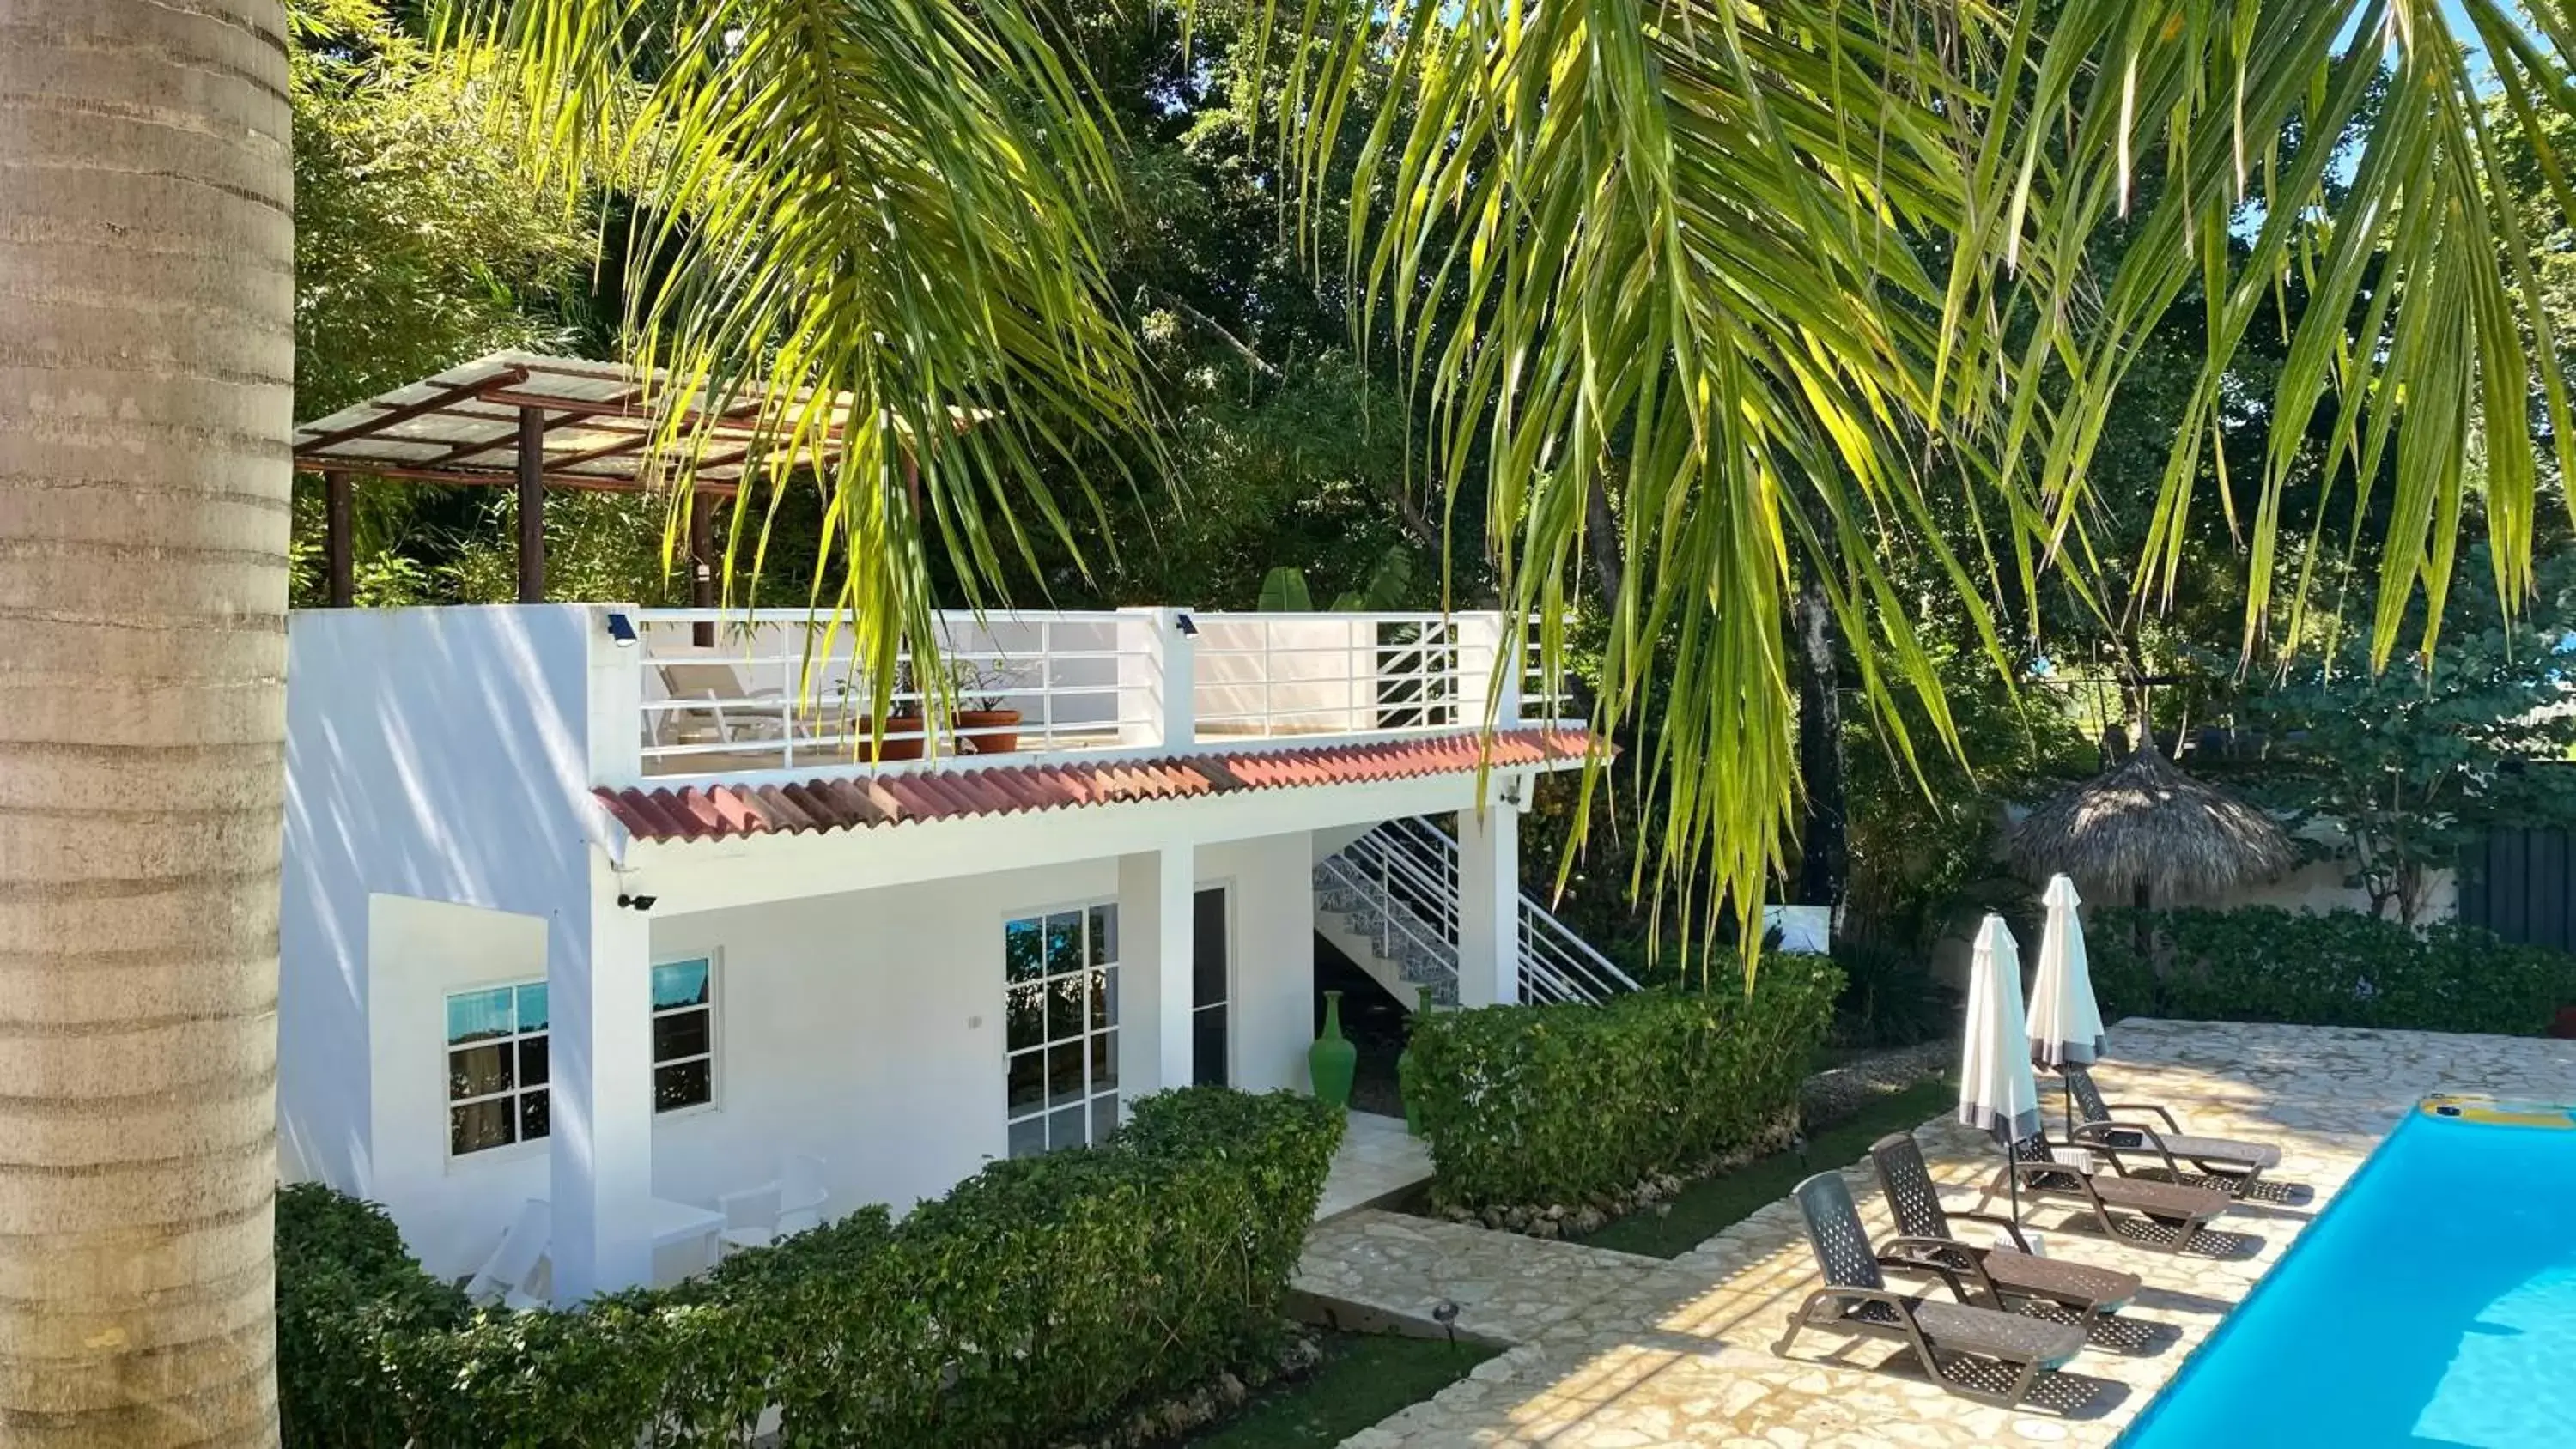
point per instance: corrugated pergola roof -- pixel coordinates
(598, 421)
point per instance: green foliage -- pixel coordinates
(346, 1287)
(1283, 589)
(2341, 968)
(1040, 1297)
(1547, 1104)
(2417, 762)
(1890, 998)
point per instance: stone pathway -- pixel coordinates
(1377, 1160)
(1613, 1351)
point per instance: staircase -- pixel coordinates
(1389, 900)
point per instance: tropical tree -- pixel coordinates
(146, 382)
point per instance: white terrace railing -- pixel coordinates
(729, 692)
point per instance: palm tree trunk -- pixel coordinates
(146, 358)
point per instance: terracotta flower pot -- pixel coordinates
(909, 726)
(988, 731)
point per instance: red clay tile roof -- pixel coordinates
(717, 812)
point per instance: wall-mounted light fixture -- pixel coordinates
(636, 903)
(622, 629)
(1512, 794)
(1188, 626)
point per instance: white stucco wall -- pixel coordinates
(436, 755)
(863, 1027)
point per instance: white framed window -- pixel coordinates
(684, 1034)
(496, 1068)
(1060, 979)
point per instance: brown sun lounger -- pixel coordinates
(2174, 1212)
(1972, 1351)
(2135, 1148)
(2015, 1272)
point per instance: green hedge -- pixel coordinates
(1039, 1298)
(1551, 1104)
(2340, 968)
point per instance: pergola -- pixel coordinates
(531, 422)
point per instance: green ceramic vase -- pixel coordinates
(1332, 1059)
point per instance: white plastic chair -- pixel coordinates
(504, 1276)
(751, 1218)
(802, 1194)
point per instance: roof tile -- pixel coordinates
(718, 812)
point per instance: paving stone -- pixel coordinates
(1614, 1351)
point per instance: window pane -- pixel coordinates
(477, 1015)
(1021, 957)
(1066, 1128)
(680, 983)
(1104, 936)
(532, 1062)
(478, 1126)
(1104, 1117)
(1104, 1007)
(1027, 1018)
(1207, 1046)
(1064, 943)
(1104, 1061)
(1064, 1008)
(478, 1071)
(690, 1084)
(532, 1007)
(1027, 1083)
(1028, 1139)
(1207, 948)
(1064, 1074)
(681, 1034)
(535, 1110)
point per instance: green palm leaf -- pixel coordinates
(1786, 278)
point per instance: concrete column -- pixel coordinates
(600, 1151)
(1489, 683)
(1489, 901)
(1155, 951)
(1157, 679)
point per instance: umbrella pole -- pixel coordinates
(2012, 1182)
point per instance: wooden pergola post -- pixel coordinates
(339, 565)
(532, 505)
(702, 565)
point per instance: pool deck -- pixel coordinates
(1613, 1351)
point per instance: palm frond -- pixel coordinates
(876, 220)
(1785, 276)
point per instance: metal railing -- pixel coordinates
(776, 689)
(1410, 869)
(732, 691)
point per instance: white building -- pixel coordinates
(578, 908)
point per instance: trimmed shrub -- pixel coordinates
(1037, 1299)
(1529, 1105)
(2339, 968)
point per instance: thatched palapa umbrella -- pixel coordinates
(2147, 830)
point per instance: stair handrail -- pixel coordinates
(1393, 915)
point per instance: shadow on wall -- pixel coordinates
(440, 754)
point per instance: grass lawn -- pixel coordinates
(1712, 1203)
(1364, 1378)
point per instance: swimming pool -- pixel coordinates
(2434, 1302)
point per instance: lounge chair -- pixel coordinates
(505, 1276)
(2173, 1212)
(1963, 1347)
(2135, 1148)
(2015, 1272)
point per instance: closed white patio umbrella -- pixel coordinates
(2065, 1023)
(1998, 1094)
(2064, 1020)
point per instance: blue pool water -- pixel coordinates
(2434, 1303)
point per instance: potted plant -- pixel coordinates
(985, 723)
(906, 728)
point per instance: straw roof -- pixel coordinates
(2146, 822)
